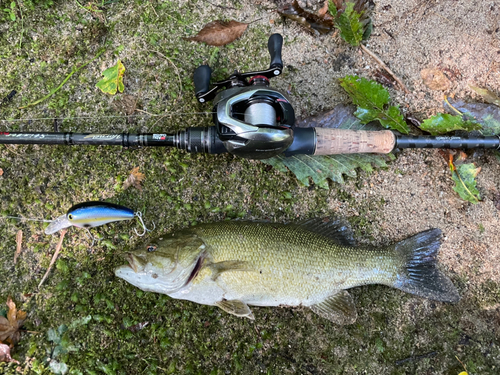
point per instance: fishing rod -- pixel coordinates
(255, 121)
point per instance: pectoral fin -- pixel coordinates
(338, 308)
(228, 265)
(237, 308)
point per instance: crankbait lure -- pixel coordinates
(93, 214)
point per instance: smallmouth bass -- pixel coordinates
(234, 264)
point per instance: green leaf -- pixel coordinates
(113, 79)
(465, 182)
(332, 9)
(444, 123)
(58, 368)
(53, 336)
(321, 168)
(349, 24)
(372, 99)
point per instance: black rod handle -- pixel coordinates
(274, 45)
(446, 141)
(201, 79)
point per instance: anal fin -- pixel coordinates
(338, 308)
(237, 308)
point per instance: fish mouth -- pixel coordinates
(132, 261)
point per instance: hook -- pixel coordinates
(91, 237)
(139, 216)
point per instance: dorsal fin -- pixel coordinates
(338, 230)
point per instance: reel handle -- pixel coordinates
(201, 79)
(274, 45)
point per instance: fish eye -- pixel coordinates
(151, 248)
(70, 217)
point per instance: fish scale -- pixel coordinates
(234, 264)
(294, 262)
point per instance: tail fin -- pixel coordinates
(420, 275)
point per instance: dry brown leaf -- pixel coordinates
(435, 79)
(134, 179)
(5, 354)
(19, 242)
(488, 96)
(9, 327)
(220, 33)
(313, 23)
(324, 9)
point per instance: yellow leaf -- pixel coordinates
(113, 79)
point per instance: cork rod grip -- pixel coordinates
(342, 141)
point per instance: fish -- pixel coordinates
(237, 264)
(90, 214)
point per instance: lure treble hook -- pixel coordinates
(138, 214)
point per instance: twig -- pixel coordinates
(382, 64)
(22, 26)
(54, 257)
(62, 83)
(19, 242)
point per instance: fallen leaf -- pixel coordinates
(464, 176)
(219, 33)
(352, 19)
(443, 123)
(315, 24)
(113, 79)
(435, 79)
(372, 100)
(324, 9)
(9, 327)
(487, 95)
(5, 354)
(1, 172)
(134, 179)
(488, 115)
(19, 242)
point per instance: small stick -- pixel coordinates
(54, 257)
(19, 241)
(382, 64)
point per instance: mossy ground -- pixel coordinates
(132, 332)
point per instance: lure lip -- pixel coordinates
(60, 223)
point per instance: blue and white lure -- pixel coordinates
(93, 214)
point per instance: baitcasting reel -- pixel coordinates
(251, 120)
